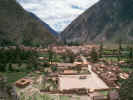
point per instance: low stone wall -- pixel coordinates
(76, 91)
(51, 92)
(71, 91)
(103, 89)
(74, 74)
(100, 98)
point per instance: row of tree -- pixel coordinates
(119, 52)
(17, 56)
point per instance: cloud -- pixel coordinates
(57, 13)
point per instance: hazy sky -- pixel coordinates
(57, 13)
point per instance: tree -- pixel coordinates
(120, 44)
(119, 48)
(101, 50)
(33, 60)
(118, 55)
(71, 56)
(94, 55)
(126, 90)
(3, 60)
(64, 56)
(65, 41)
(130, 53)
(78, 68)
(17, 56)
(10, 67)
(53, 68)
(2, 83)
(51, 55)
(27, 42)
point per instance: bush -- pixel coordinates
(53, 68)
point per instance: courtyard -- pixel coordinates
(91, 81)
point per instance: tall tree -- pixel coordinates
(130, 55)
(120, 44)
(119, 49)
(101, 50)
(94, 55)
(51, 55)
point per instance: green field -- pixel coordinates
(47, 97)
(13, 76)
(126, 69)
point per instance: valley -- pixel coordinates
(91, 59)
(67, 72)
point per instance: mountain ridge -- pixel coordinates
(18, 27)
(107, 21)
(45, 24)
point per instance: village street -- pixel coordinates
(97, 81)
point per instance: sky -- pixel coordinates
(57, 13)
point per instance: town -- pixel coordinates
(85, 72)
(66, 50)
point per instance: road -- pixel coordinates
(83, 59)
(95, 78)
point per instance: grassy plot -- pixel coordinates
(44, 55)
(126, 69)
(64, 98)
(105, 93)
(114, 59)
(58, 58)
(120, 81)
(38, 96)
(14, 76)
(45, 97)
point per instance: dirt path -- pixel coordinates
(95, 78)
(83, 59)
(40, 79)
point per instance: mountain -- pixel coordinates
(45, 24)
(107, 20)
(17, 26)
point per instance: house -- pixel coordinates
(77, 63)
(124, 75)
(65, 65)
(69, 72)
(22, 83)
